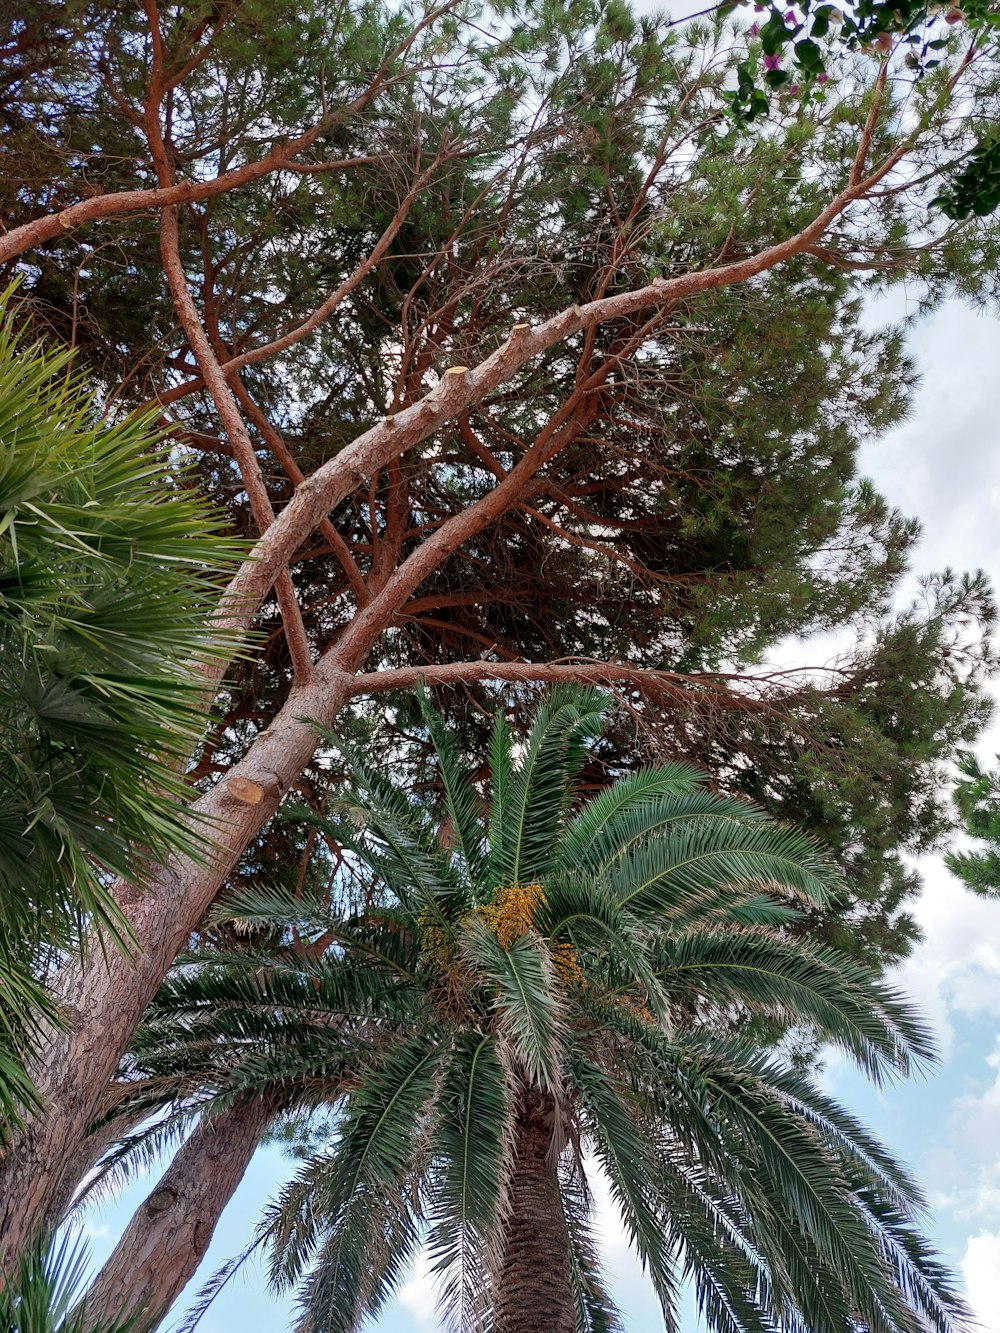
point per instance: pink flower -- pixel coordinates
(823, 78)
(794, 89)
(754, 29)
(790, 18)
(772, 62)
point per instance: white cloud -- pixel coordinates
(418, 1294)
(91, 1231)
(981, 1270)
(964, 1172)
(955, 970)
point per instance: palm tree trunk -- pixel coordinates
(534, 1289)
(170, 1232)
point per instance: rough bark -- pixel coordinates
(534, 1290)
(170, 1232)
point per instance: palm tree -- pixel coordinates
(109, 574)
(41, 1294)
(557, 987)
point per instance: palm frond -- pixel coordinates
(472, 1149)
(790, 981)
(804, 1195)
(609, 946)
(42, 1294)
(392, 835)
(596, 1312)
(629, 809)
(340, 1209)
(675, 877)
(541, 785)
(501, 778)
(462, 801)
(623, 1151)
(111, 565)
(525, 997)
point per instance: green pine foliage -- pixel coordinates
(977, 798)
(601, 957)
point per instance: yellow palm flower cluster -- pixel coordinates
(512, 914)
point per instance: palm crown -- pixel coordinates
(547, 988)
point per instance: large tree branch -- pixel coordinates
(236, 433)
(323, 311)
(282, 154)
(461, 388)
(675, 685)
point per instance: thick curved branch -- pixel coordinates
(31, 234)
(461, 388)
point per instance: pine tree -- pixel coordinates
(519, 356)
(977, 796)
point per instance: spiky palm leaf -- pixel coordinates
(606, 992)
(109, 571)
(42, 1293)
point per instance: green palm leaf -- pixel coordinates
(42, 1293)
(352, 1199)
(540, 788)
(797, 984)
(525, 997)
(635, 808)
(596, 1312)
(461, 798)
(674, 878)
(472, 1147)
(623, 1151)
(501, 778)
(110, 570)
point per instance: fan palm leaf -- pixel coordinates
(110, 569)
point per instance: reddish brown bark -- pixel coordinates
(170, 1232)
(282, 155)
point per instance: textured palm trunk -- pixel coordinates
(170, 1232)
(534, 1290)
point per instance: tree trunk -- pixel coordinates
(170, 1232)
(106, 997)
(534, 1289)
